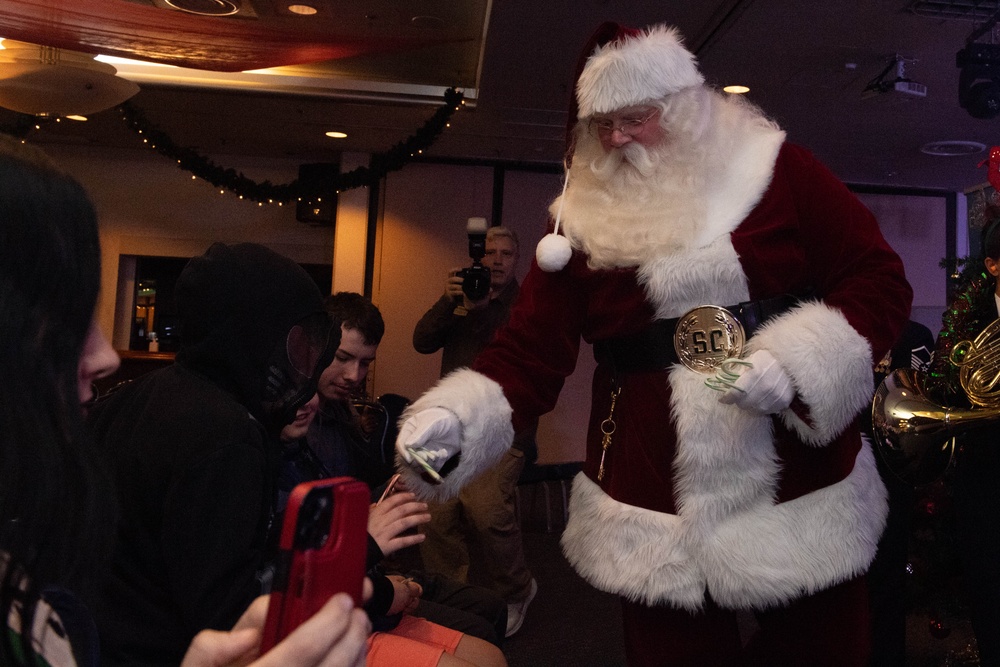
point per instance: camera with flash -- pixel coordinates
(476, 279)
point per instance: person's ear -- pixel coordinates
(992, 266)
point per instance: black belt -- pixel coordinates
(653, 349)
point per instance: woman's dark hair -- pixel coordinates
(54, 521)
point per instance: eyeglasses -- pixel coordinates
(630, 125)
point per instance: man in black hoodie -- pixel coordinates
(193, 449)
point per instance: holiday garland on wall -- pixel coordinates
(265, 192)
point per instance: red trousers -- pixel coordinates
(830, 628)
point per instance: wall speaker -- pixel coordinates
(979, 80)
(317, 204)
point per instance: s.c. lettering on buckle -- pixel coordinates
(706, 336)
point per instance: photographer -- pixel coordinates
(461, 327)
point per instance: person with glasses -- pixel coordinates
(736, 294)
(628, 123)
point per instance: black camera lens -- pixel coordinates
(476, 282)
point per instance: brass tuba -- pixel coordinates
(913, 434)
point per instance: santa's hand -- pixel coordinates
(428, 439)
(757, 383)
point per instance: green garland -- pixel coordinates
(267, 193)
(958, 323)
(230, 179)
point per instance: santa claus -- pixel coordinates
(736, 294)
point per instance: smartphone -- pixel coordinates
(390, 488)
(324, 543)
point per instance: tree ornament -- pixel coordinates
(938, 629)
(993, 171)
(958, 324)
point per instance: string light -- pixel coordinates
(229, 179)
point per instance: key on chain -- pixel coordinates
(608, 428)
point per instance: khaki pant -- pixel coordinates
(483, 512)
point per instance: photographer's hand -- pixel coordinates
(475, 305)
(453, 287)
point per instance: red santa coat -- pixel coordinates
(699, 496)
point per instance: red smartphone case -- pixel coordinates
(324, 543)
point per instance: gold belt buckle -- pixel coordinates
(706, 336)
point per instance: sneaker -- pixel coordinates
(517, 610)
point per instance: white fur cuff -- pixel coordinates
(829, 362)
(487, 432)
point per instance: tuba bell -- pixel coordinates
(913, 434)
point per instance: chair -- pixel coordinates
(543, 476)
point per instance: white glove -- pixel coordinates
(428, 439)
(757, 383)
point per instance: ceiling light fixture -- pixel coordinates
(45, 81)
(336, 134)
(302, 10)
(952, 148)
(206, 7)
(736, 90)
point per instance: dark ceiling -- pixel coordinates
(384, 64)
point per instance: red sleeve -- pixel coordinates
(532, 356)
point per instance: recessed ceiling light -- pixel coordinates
(336, 135)
(952, 148)
(304, 10)
(76, 117)
(736, 90)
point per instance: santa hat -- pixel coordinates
(620, 67)
(634, 68)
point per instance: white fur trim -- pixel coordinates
(487, 432)
(749, 144)
(829, 362)
(553, 253)
(774, 554)
(757, 557)
(635, 70)
(674, 284)
(629, 551)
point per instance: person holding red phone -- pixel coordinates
(407, 624)
(341, 442)
(193, 450)
(59, 519)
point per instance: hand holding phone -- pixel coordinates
(392, 522)
(324, 541)
(391, 487)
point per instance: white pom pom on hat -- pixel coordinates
(553, 252)
(633, 69)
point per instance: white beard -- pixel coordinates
(633, 204)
